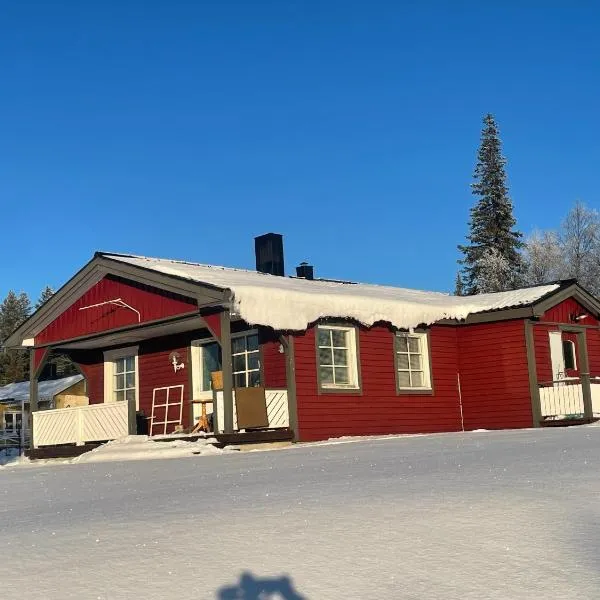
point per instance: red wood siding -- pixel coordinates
(156, 371)
(494, 376)
(273, 360)
(378, 410)
(593, 346)
(561, 313)
(152, 304)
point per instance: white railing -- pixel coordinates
(277, 409)
(81, 424)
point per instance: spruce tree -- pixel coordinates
(459, 288)
(14, 364)
(46, 294)
(492, 223)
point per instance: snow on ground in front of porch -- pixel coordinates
(131, 447)
(495, 516)
(288, 303)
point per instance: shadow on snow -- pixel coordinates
(250, 587)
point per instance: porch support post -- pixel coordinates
(584, 370)
(227, 371)
(35, 369)
(290, 374)
(33, 383)
(534, 390)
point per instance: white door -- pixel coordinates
(556, 355)
(206, 358)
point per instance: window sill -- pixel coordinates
(349, 391)
(414, 391)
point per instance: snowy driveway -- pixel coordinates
(490, 515)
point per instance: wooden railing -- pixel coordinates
(81, 424)
(277, 409)
(562, 398)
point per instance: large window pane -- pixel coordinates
(254, 379)
(403, 361)
(252, 341)
(415, 361)
(253, 361)
(417, 378)
(413, 344)
(326, 374)
(340, 357)
(239, 362)
(324, 337)
(120, 382)
(338, 338)
(402, 344)
(404, 379)
(325, 356)
(342, 376)
(238, 345)
(239, 380)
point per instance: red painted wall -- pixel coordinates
(378, 410)
(273, 361)
(561, 313)
(152, 304)
(494, 375)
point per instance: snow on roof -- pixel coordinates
(289, 303)
(46, 389)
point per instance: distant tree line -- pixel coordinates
(14, 364)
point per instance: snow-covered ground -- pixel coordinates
(487, 515)
(131, 447)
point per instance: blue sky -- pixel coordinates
(184, 129)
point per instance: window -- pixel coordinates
(121, 375)
(207, 357)
(412, 361)
(12, 421)
(569, 356)
(337, 366)
(124, 378)
(246, 361)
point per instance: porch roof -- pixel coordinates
(289, 303)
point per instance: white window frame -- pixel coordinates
(353, 375)
(423, 338)
(110, 356)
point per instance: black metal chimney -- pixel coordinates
(305, 271)
(269, 254)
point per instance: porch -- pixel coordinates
(564, 390)
(156, 385)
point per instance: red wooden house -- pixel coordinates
(333, 358)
